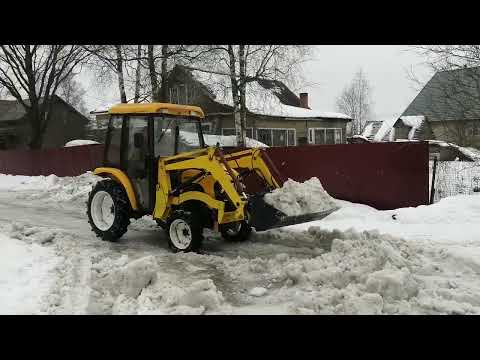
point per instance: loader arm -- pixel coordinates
(209, 161)
(256, 160)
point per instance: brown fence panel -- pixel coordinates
(71, 161)
(382, 175)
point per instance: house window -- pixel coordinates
(277, 137)
(324, 136)
(182, 94)
(231, 131)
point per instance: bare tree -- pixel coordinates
(355, 101)
(455, 95)
(73, 93)
(32, 74)
(138, 73)
(244, 64)
(109, 59)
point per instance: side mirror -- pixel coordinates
(138, 140)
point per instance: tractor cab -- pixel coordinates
(139, 135)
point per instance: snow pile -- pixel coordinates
(415, 122)
(57, 189)
(295, 198)
(141, 287)
(80, 143)
(333, 272)
(10, 182)
(24, 275)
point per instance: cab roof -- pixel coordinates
(157, 108)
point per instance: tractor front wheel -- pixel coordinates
(108, 210)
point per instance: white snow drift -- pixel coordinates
(358, 260)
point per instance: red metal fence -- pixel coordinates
(382, 175)
(70, 161)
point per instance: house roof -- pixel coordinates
(449, 95)
(12, 110)
(263, 97)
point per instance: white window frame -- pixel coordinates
(311, 134)
(271, 134)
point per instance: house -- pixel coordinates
(65, 124)
(276, 116)
(412, 128)
(446, 109)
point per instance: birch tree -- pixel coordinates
(243, 64)
(32, 75)
(355, 101)
(109, 58)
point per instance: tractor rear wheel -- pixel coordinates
(108, 210)
(236, 232)
(184, 231)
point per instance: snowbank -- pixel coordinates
(51, 188)
(80, 143)
(24, 275)
(295, 198)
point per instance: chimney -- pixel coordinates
(304, 100)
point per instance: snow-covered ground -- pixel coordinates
(358, 260)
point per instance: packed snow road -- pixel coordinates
(419, 261)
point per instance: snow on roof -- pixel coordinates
(368, 130)
(362, 137)
(386, 127)
(413, 121)
(259, 100)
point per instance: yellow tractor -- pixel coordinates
(156, 163)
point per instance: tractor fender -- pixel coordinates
(122, 178)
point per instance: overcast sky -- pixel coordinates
(332, 68)
(385, 66)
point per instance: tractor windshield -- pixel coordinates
(173, 135)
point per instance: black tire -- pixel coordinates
(236, 235)
(162, 224)
(194, 229)
(121, 209)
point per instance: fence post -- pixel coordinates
(432, 189)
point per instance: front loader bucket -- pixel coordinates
(264, 216)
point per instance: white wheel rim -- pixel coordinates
(102, 210)
(180, 234)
